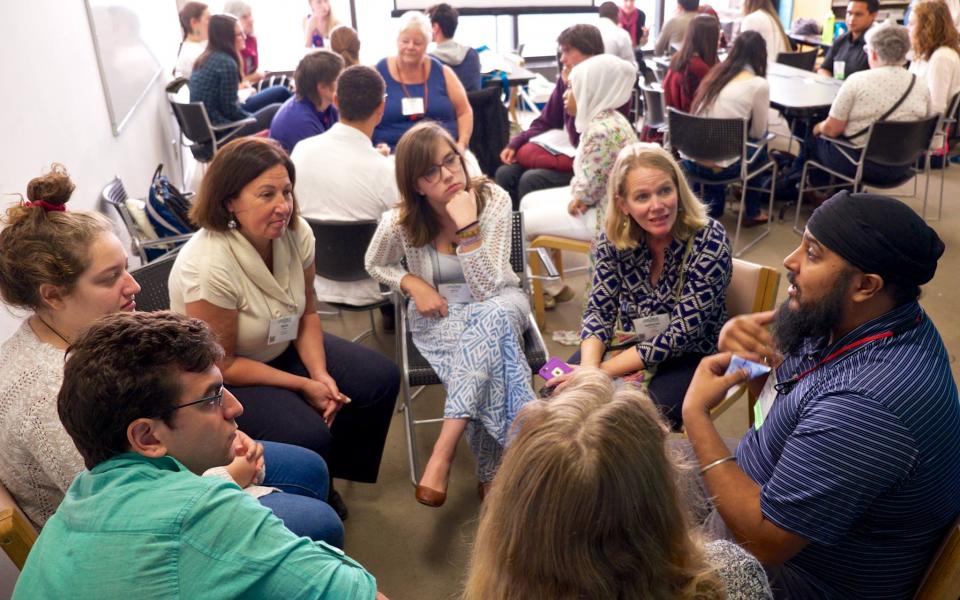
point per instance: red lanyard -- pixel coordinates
(426, 89)
(785, 386)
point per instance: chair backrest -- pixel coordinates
(115, 195)
(193, 120)
(154, 289)
(491, 127)
(518, 255)
(705, 139)
(942, 581)
(801, 60)
(341, 246)
(900, 143)
(17, 535)
(753, 288)
(952, 116)
(654, 114)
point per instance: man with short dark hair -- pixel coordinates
(464, 60)
(519, 177)
(674, 30)
(850, 476)
(616, 40)
(847, 55)
(144, 402)
(341, 177)
(311, 111)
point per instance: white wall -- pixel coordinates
(52, 108)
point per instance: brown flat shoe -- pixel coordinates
(430, 497)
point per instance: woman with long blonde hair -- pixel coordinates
(586, 505)
(319, 23)
(936, 52)
(761, 16)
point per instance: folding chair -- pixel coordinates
(951, 145)
(145, 247)
(340, 248)
(416, 371)
(707, 140)
(889, 144)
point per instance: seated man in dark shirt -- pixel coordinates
(847, 55)
(849, 478)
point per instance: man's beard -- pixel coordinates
(793, 325)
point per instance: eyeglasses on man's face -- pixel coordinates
(451, 162)
(207, 403)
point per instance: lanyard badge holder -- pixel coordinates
(414, 108)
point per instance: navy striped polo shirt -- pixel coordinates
(862, 458)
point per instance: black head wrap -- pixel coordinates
(880, 235)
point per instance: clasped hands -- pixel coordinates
(322, 394)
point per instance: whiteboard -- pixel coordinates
(515, 5)
(128, 66)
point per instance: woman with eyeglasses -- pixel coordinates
(467, 312)
(69, 269)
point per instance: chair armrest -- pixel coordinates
(839, 142)
(238, 124)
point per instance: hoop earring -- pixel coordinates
(232, 223)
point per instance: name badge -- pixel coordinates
(456, 293)
(651, 326)
(411, 106)
(283, 329)
(765, 402)
(839, 69)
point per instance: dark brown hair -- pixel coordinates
(345, 42)
(232, 168)
(585, 38)
(701, 39)
(359, 92)
(319, 66)
(38, 246)
(749, 50)
(222, 37)
(414, 156)
(124, 367)
(446, 17)
(189, 12)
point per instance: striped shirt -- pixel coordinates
(862, 458)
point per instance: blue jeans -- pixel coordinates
(714, 196)
(304, 481)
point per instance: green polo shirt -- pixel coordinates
(136, 527)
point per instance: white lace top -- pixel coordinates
(486, 269)
(37, 458)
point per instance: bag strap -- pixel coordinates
(157, 173)
(913, 79)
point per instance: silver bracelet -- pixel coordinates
(719, 461)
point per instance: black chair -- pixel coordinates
(491, 127)
(706, 140)
(154, 290)
(340, 248)
(951, 145)
(416, 371)
(654, 109)
(197, 132)
(894, 144)
(146, 248)
(801, 60)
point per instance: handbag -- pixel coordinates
(168, 210)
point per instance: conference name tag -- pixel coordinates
(283, 329)
(651, 326)
(411, 106)
(765, 402)
(839, 69)
(456, 293)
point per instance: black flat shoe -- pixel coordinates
(337, 504)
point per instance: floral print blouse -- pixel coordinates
(600, 144)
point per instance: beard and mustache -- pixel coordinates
(792, 325)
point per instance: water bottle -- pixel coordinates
(828, 28)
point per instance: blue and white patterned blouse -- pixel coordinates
(622, 292)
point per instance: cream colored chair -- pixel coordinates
(17, 535)
(557, 245)
(942, 581)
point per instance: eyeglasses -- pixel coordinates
(451, 163)
(216, 400)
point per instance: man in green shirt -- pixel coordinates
(144, 402)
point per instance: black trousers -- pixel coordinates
(519, 181)
(354, 445)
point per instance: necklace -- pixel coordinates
(47, 325)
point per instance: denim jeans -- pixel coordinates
(304, 481)
(714, 196)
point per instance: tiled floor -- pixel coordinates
(418, 552)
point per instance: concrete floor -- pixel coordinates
(419, 552)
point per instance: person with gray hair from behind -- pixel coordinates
(885, 92)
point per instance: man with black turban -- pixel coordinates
(850, 476)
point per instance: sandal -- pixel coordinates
(761, 219)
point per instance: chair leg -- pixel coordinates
(410, 425)
(369, 332)
(538, 305)
(803, 183)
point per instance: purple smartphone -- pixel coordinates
(554, 368)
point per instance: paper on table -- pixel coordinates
(555, 141)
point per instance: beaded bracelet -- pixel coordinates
(468, 226)
(719, 461)
(472, 231)
(468, 241)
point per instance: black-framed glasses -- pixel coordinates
(216, 400)
(451, 162)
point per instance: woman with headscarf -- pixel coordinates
(598, 86)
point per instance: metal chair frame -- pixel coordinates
(115, 194)
(406, 351)
(951, 135)
(198, 139)
(867, 152)
(683, 123)
(654, 106)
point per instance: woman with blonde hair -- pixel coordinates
(761, 16)
(660, 280)
(568, 517)
(319, 23)
(936, 52)
(467, 312)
